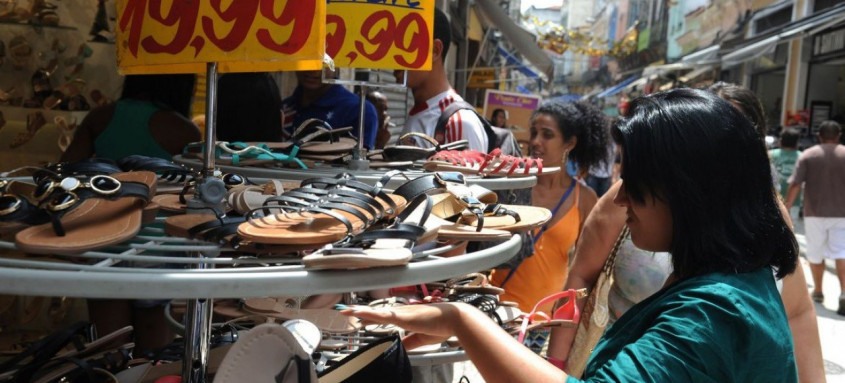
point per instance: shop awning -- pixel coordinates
(616, 88)
(524, 42)
(709, 55)
(696, 73)
(516, 63)
(767, 42)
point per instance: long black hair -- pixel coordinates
(700, 155)
(585, 122)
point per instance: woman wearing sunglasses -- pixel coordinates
(719, 318)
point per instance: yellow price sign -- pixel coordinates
(181, 36)
(380, 34)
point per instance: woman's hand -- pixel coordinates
(430, 323)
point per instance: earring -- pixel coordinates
(564, 157)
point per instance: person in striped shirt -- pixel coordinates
(433, 93)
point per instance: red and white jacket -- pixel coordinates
(464, 124)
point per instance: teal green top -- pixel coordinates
(711, 328)
(784, 163)
(128, 132)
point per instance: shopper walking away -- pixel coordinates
(821, 169)
(784, 159)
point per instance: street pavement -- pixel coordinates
(831, 325)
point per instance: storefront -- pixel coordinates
(825, 97)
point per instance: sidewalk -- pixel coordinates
(831, 325)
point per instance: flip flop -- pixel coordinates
(390, 246)
(89, 216)
(267, 353)
(305, 139)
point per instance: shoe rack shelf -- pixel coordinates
(259, 174)
(154, 266)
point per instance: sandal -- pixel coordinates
(470, 212)
(416, 153)
(474, 283)
(567, 315)
(241, 153)
(494, 164)
(267, 353)
(34, 122)
(308, 139)
(89, 213)
(321, 211)
(326, 319)
(390, 246)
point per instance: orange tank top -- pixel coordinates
(543, 273)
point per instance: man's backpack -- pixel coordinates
(496, 137)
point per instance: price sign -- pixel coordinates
(380, 34)
(181, 36)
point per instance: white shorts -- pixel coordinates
(825, 238)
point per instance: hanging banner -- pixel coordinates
(182, 36)
(380, 34)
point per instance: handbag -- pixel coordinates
(594, 316)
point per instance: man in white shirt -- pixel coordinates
(433, 93)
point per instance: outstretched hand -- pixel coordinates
(429, 323)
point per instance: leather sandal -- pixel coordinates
(89, 213)
(382, 247)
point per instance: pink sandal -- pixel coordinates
(494, 164)
(567, 315)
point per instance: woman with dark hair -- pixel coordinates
(150, 118)
(499, 118)
(558, 132)
(639, 273)
(719, 317)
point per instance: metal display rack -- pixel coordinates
(155, 266)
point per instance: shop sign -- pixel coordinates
(380, 34)
(482, 78)
(519, 107)
(181, 36)
(830, 42)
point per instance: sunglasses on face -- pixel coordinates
(104, 185)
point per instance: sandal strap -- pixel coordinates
(428, 183)
(127, 189)
(26, 213)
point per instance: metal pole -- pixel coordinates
(197, 336)
(359, 157)
(210, 118)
